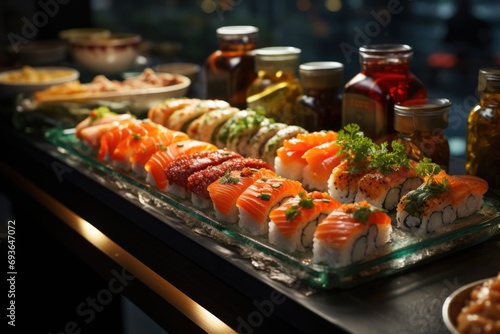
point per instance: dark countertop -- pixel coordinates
(214, 275)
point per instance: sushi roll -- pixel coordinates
(256, 144)
(255, 203)
(225, 191)
(320, 162)
(206, 126)
(292, 224)
(152, 144)
(343, 183)
(156, 164)
(180, 119)
(289, 162)
(350, 233)
(440, 201)
(199, 181)
(118, 136)
(386, 189)
(160, 113)
(179, 170)
(276, 141)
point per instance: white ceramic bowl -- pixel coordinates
(27, 84)
(113, 54)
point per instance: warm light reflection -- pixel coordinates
(304, 5)
(333, 5)
(192, 310)
(207, 6)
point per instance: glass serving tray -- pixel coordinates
(404, 250)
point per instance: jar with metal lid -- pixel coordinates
(483, 129)
(319, 107)
(385, 79)
(420, 126)
(229, 71)
(277, 86)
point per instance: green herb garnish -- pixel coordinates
(385, 161)
(292, 212)
(362, 213)
(264, 197)
(416, 198)
(426, 167)
(228, 179)
(356, 147)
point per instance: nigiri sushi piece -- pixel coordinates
(206, 127)
(351, 233)
(256, 144)
(155, 166)
(199, 181)
(385, 190)
(289, 162)
(152, 144)
(160, 113)
(181, 118)
(321, 160)
(440, 201)
(276, 141)
(255, 203)
(225, 191)
(111, 139)
(179, 170)
(292, 224)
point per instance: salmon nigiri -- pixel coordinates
(289, 162)
(155, 166)
(152, 144)
(225, 191)
(293, 223)
(112, 138)
(321, 160)
(255, 203)
(350, 233)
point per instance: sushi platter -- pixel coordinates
(403, 251)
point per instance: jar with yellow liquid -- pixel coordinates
(483, 129)
(277, 86)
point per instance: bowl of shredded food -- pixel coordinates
(29, 79)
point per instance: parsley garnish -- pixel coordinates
(228, 179)
(264, 197)
(416, 198)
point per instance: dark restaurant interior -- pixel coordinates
(63, 283)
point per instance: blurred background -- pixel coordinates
(451, 38)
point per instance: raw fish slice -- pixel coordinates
(198, 182)
(155, 167)
(385, 191)
(350, 233)
(276, 141)
(179, 170)
(255, 203)
(293, 223)
(225, 191)
(289, 162)
(321, 160)
(152, 144)
(92, 135)
(111, 139)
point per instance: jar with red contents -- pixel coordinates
(385, 79)
(229, 71)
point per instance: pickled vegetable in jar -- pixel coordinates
(319, 108)
(420, 126)
(385, 79)
(483, 129)
(229, 71)
(277, 86)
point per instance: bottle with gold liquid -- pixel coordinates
(277, 86)
(420, 126)
(229, 71)
(483, 130)
(385, 79)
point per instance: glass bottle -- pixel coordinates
(482, 156)
(420, 126)
(277, 86)
(385, 79)
(319, 108)
(229, 71)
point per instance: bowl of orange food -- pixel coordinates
(29, 79)
(474, 308)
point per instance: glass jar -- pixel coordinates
(385, 79)
(319, 108)
(277, 86)
(482, 156)
(420, 126)
(229, 71)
